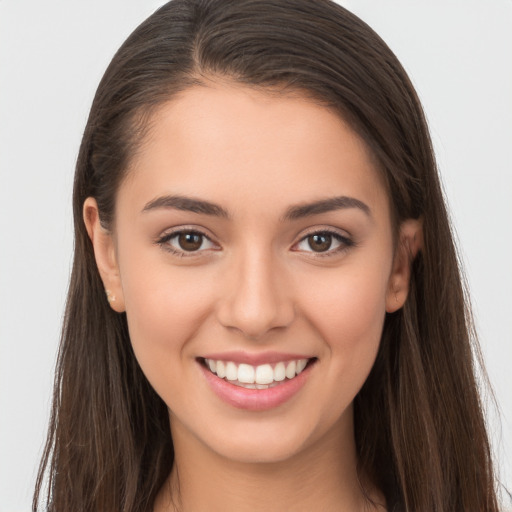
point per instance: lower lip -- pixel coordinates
(256, 399)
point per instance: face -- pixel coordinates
(253, 254)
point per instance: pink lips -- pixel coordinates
(255, 399)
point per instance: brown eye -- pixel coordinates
(186, 243)
(324, 243)
(190, 241)
(320, 242)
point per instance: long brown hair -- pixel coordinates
(420, 429)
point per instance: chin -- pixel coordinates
(263, 442)
(259, 453)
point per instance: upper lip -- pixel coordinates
(255, 359)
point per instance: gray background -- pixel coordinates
(52, 55)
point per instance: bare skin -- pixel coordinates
(293, 484)
(260, 276)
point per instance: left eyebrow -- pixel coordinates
(325, 205)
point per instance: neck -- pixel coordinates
(323, 477)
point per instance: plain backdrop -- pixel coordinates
(52, 55)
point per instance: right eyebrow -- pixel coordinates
(188, 204)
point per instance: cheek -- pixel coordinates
(165, 306)
(348, 310)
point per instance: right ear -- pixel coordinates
(105, 255)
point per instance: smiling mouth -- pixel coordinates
(263, 376)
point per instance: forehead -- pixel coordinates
(223, 141)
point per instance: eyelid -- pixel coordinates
(342, 237)
(163, 240)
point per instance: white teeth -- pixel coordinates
(264, 374)
(221, 369)
(291, 367)
(256, 377)
(246, 374)
(231, 371)
(279, 372)
(301, 364)
(251, 386)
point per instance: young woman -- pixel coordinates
(266, 310)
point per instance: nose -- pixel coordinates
(255, 300)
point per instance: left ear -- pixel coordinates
(410, 241)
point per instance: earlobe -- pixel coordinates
(409, 244)
(105, 255)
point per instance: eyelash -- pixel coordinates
(164, 240)
(345, 242)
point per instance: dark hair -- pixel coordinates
(419, 425)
